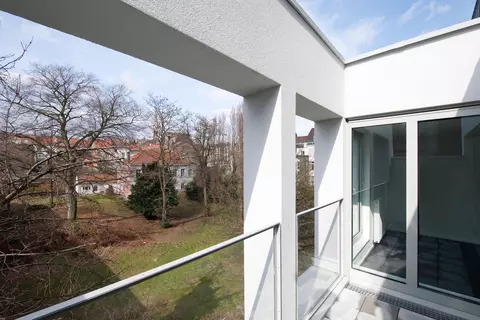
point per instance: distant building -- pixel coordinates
(305, 152)
(182, 169)
(305, 145)
(98, 183)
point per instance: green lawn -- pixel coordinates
(209, 288)
(107, 205)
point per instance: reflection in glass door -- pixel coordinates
(379, 200)
(443, 201)
(449, 206)
(356, 182)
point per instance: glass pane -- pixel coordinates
(379, 200)
(356, 178)
(449, 205)
(209, 288)
(318, 255)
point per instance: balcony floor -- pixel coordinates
(351, 305)
(446, 264)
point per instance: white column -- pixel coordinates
(269, 191)
(329, 176)
(328, 141)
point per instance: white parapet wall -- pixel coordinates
(436, 69)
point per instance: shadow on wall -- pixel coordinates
(473, 90)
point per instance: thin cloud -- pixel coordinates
(220, 96)
(349, 38)
(432, 9)
(435, 8)
(132, 81)
(363, 32)
(355, 37)
(412, 12)
(37, 31)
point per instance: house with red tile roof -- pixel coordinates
(305, 152)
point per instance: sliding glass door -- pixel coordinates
(378, 200)
(449, 205)
(415, 204)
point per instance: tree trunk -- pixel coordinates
(70, 196)
(164, 199)
(71, 206)
(51, 191)
(205, 198)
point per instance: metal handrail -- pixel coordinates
(354, 193)
(128, 282)
(318, 208)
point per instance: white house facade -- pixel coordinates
(183, 170)
(396, 158)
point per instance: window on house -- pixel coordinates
(190, 172)
(174, 172)
(303, 153)
(86, 188)
(182, 172)
(182, 186)
(138, 172)
(95, 188)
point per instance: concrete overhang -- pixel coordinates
(117, 25)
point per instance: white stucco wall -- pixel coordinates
(268, 36)
(439, 71)
(239, 46)
(187, 177)
(269, 197)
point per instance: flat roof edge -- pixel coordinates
(466, 104)
(304, 15)
(459, 27)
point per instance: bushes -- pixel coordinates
(37, 207)
(146, 197)
(109, 192)
(192, 191)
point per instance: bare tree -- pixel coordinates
(226, 181)
(166, 121)
(8, 62)
(236, 151)
(10, 155)
(63, 113)
(201, 133)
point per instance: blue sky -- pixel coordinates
(359, 26)
(353, 26)
(52, 46)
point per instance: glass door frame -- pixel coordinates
(377, 282)
(359, 186)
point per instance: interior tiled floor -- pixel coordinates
(351, 305)
(445, 264)
(389, 255)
